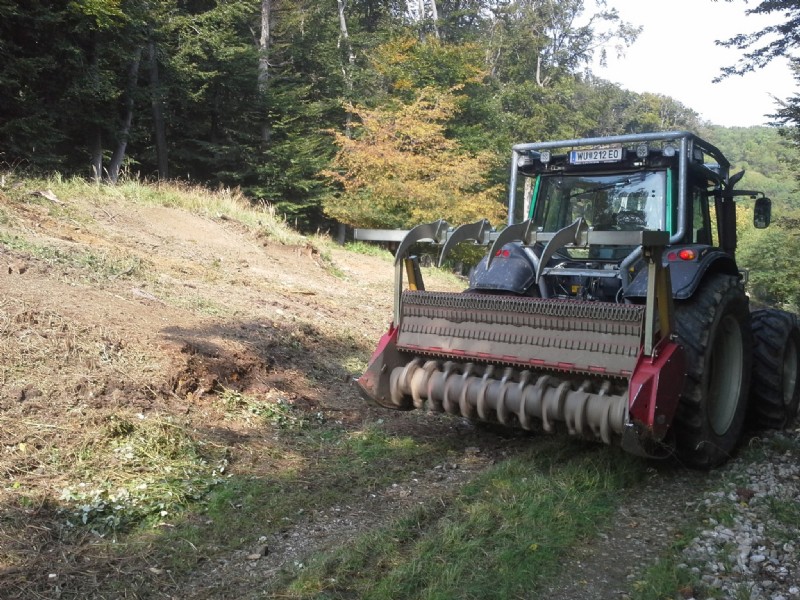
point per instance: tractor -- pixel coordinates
(610, 306)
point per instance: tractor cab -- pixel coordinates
(677, 184)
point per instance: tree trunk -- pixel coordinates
(97, 155)
(421, 19)
(347, 74)
(159, 129)
(541, 81)
(125, 127)
(434, 18)
(341, 234)
(426, 11)
(346, 66)
(96, 140)
(527, 196)
(263, 65)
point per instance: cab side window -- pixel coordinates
(703, 229)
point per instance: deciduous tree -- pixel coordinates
(771, 42)
(401, 170)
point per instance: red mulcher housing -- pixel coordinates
(611, 306)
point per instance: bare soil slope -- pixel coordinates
(160, 303)
(112, 311)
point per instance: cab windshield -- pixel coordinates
(615, 202)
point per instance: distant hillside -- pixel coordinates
(767, 157)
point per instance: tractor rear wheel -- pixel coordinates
(714, 328)
(776, 362)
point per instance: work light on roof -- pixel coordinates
(669, 151)
(642, 151)
(525, 160)
(544, 156)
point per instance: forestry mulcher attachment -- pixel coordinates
(611, 306)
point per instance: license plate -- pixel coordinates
(596, 155)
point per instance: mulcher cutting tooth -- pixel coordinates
(478, 231)
(435, 231)
(524, 232)
(573, 233)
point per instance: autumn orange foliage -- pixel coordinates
(399, 169)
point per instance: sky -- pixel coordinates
(675, 55)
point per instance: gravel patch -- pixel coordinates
(749, 546)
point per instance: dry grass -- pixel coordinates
(155, 417)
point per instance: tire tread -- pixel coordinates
(772, 330)
(697, 444)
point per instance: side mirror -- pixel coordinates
(762, 213)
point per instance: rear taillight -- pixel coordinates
(684, 254)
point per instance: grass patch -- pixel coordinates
(781, 444)
(99, 264)
(503, 536)
(322, 466)
(434, 277)
(784, 510)
(276, 410)
(223, 203)
(194, 302)
(369, 249)
(139, 471)
(443, 279)
(663, 580)
(669, 576)
(326, 260)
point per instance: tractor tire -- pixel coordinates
(714, 328)
(774, 394)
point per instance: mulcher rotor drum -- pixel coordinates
(530, 360)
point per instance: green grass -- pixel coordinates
(331, 466)
(663, 580)
(151, 478)
(223, 203)
(279, 413)
(138, 471)
(782, 444)
(442, 279)
(786, 511)
(369, 249)
(503, 536)
(97, 264)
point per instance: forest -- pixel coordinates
(378, 113)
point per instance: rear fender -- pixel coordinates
(686, 275)
(513, 270)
